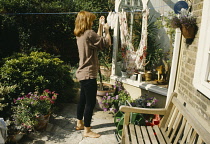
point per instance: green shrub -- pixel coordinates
(5, 103)
(38, 70)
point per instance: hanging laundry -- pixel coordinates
(141, 52)
(112, 19)
(126, 45)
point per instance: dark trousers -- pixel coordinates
(87, 100)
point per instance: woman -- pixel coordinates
(88, 43)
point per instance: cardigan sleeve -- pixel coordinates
(97, 41)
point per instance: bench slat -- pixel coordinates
(200, 141)
(180, 130)
(186, 132)
(139, 134)
(172, 120)
(145, 135)
(132, 134)
(175, 126)
(152, 135)
(165, 126)
(127, 141)
(159, 135)
(193, 121)
(169, 110)
(192, 138)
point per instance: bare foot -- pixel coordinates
(80, 125)
(91, 134)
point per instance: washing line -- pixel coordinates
(68, 13)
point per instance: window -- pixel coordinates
(202, 68)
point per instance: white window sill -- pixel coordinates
(142, 85)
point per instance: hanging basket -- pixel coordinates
(188, 32)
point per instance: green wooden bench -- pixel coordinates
(177, 126)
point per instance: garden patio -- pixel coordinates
(39, 58)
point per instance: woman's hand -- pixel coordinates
(102, 20)
(106, 28)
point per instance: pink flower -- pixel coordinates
(149, 104)
(47, 91)
(52, 102)
(41, 97)
(54, 98)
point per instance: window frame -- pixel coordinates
(202, 66)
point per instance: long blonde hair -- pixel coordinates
(83, 22)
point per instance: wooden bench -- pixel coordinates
(177, 126)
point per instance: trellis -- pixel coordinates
(131, 6)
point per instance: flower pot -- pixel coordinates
(42, 122)
(188, 32)
(107, 88)
(148, 76)
(15, 137)
(105, 71)
(99, 104)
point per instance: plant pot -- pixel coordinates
(188, 32)
(105, 71)
(107, 88)
(148, 76)
(42, 122)
(15, 137)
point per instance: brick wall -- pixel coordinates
(196, 102)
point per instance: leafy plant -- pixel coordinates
(154, 51)
(113, 101)
(145, 101)
(38, 69)
(5, 105)
(31, 106)
(184, 18)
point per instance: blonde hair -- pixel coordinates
(83, 22)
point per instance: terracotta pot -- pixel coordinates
(188, 32)
(16, 137)
(42, 122)
(104, 71)
(108, 88)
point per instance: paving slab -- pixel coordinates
(61, 129)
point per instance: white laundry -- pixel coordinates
(112, 19)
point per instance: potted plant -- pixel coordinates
(186, 22)
(29, 111)
(143, 101)
(112, 101)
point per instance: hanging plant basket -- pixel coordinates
(188, 32)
